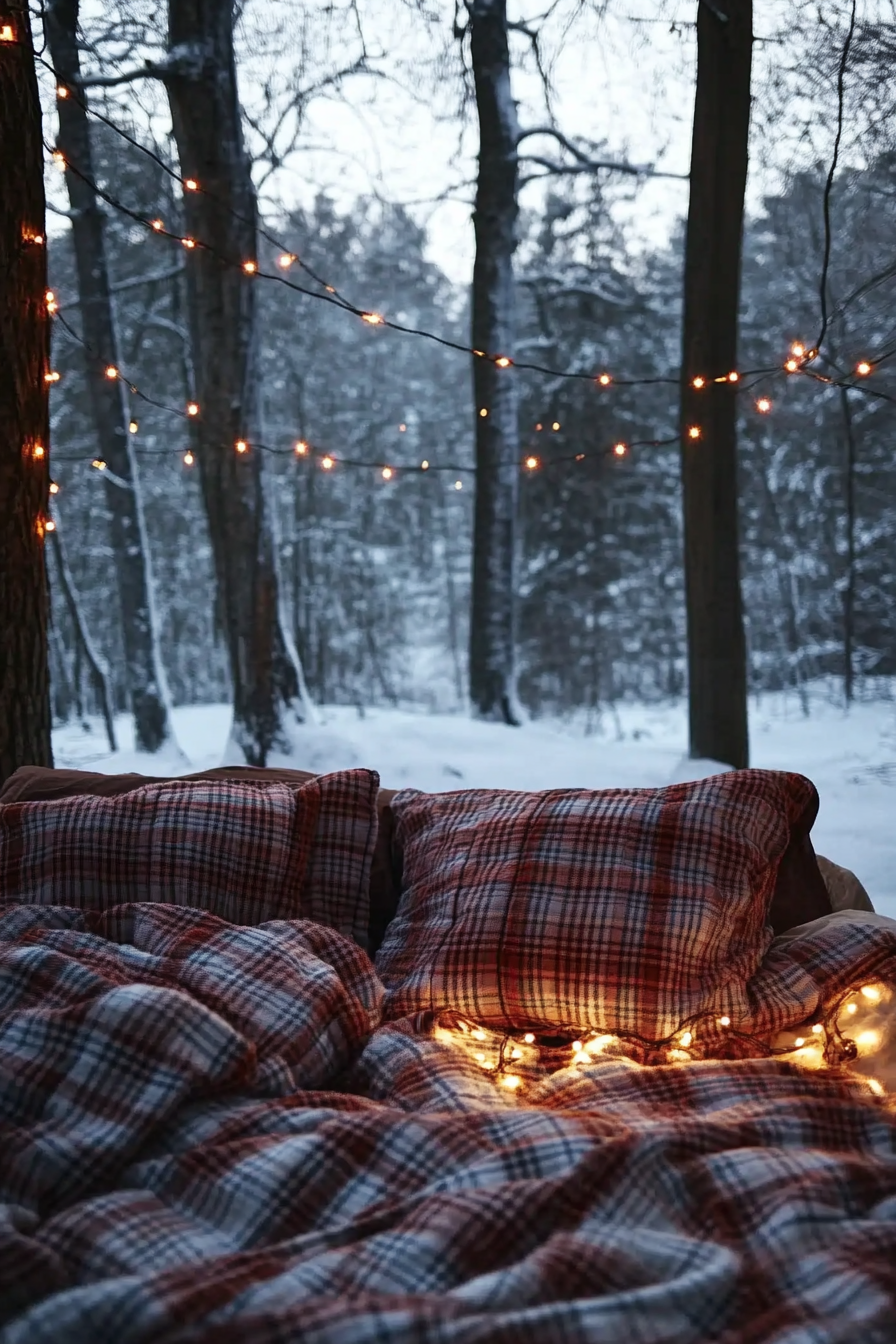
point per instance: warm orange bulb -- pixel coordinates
(38, 451)
(49, 525)
(619, 449)
(698, 382)
(285, 260)
(733, 377)
(327, 463)
(580, 457)
(791, 365)
(192, 408)
(191, 184)
(250, 267)
(424, 465)
(61, 91)
(605, 380)
(52, 305)
(458, 485)
(188, 243)
(402, 429)
(863, 368)
(157, 225)
(6, 33)
(133, 427)
(99, 464)
(387, 473)
(330, 289)
(694, 432)
(503, 362)
(52, 377)
(54, 488)
(242, 446)
(555, 425)
(763, 405)
(301, 448)
(188, 458)
(539, 426)
(798, 349)
(111, 372)
(532, 463)
(59, 160)
(483, 412)
(373, 319)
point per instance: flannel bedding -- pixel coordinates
(207, 1133)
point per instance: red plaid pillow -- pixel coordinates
(625, 910)
(246, 852)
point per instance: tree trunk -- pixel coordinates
(24, 421)
(266, 676)
(849, 590)
(144, 674)
(98, 670)
(717, 675)
(493, 615)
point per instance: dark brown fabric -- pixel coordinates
(36, 784)
(800, 891)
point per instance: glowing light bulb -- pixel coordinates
(763, 405)
(619, 449)
(733, 377)
(503, 362)
(686, 1038)
(327, 463)
(188, 458)
(158, 225)
(852, 1007)
(330, 289)
(458, 485)
(61, 91)
(511, 1081)
(532, 463)
(59, 160)
(250, 267)
(577, 1046)
(818, 1028)
(301, 448)
(242, 446)
(876, 1087)
(724, 1021)
(791, 365)
(189, 243)
(373, 319)
(285, 260)
(483, 412)
(54, 488)
(387, 473)
(52, 377)
(133, 427)
(605, 380)
(580, 457)
(111, 372)
(402, 429)
(555, 425)
(694, 432)
(539, 427)
(479, 1056)
(478, 1034)
(863, 368)
(798, 349)
(529, 1038)
(99, 464)
(800, 1040)
(868, 1041)
(424, 465)
(50, 525)
(192, 408)
(6, 33)
(698, 382)
(38, 451)
(52, 305)
(190, 184)
(871, 993)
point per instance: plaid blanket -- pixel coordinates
(206, 1136)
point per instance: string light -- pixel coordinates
(133, 427)
(694, 432)
(189, 243)
(483, 412)
(327, 463)
(532, 463)
(863, 368)
(158, 225)
(686, 1038)
(192, 408)
(59, 160)
(188, 458)
(191, 184)
(852, 1007)
(250, 267)
(387, 473)
(285, 260)
(52, 377)
(698, 382)
(424, 465)
(503, 362)
(99, 464)
(619, 449)
(242, 446)
(61, 92)
(38, 451)
(54, 488)
(529, 1038)
(49, 525)
(539, 427)
(733, 377)
(871, 993)
(605, 380)
(791, 365)
(402, 428)
(301, 448)
(52, 305)
(6, 33)
(555, 425)
(373, 319)
(817, 1028)
(724, 1021)
(458, 485)
(763, 405)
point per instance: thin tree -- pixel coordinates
(200, 77)
(145, 678)
(717, 672)
(24, 421)
(494, 599)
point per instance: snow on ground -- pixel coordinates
(850, 756)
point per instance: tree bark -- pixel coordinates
(266, 675)
(24, 420)
(493, 614)
(144, 674)
(717, 675)
(98, 670)
(849, 589)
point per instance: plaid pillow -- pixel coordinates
(625, 910)
(245, 851)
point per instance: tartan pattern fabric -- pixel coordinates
(236, 850)
(205, 1140)
(337, 882)
(621, 910)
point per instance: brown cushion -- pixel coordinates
(32, 783)
(800, 891)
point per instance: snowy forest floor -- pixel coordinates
(851, 757)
